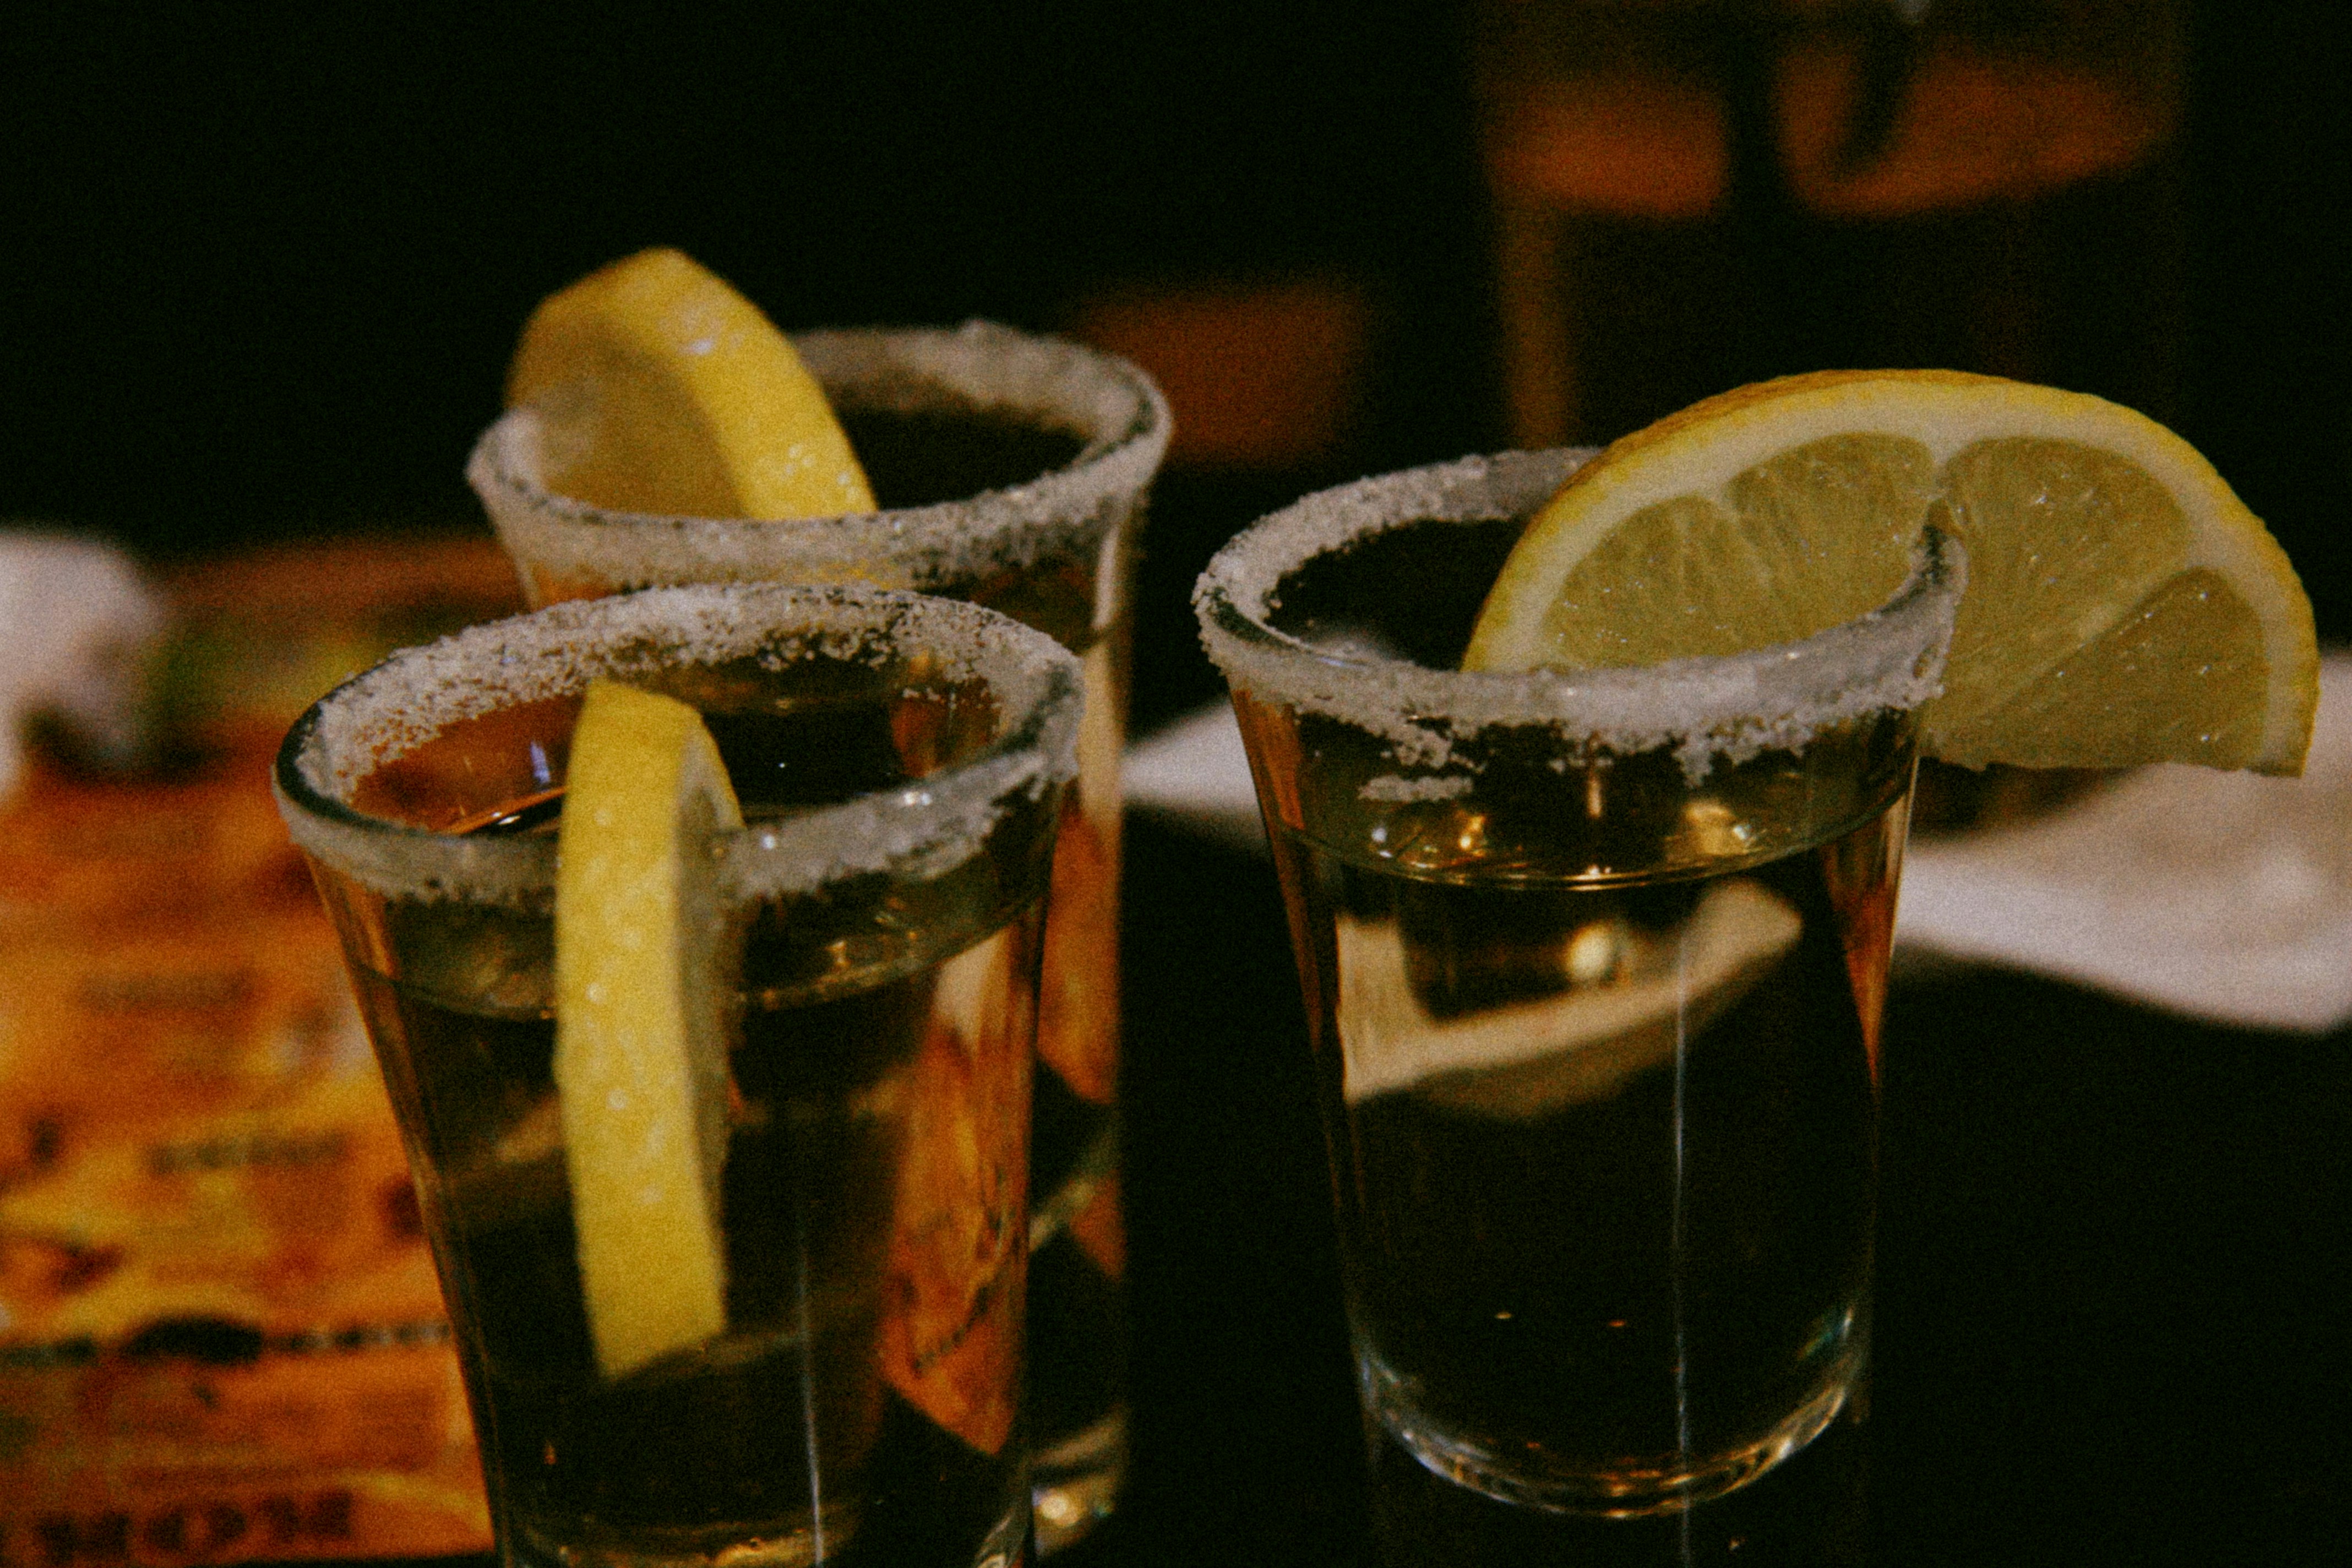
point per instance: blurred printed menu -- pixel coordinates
(221, 1338)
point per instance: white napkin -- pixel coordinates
(1195, 774)
(75, 619)
(2222, 895)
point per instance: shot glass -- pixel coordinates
(901, 763)
(1013, 470)
(1593, 965)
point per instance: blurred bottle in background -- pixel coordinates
(1690, 195)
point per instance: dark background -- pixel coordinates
(267, 270)
(262, 266)
(263, 263)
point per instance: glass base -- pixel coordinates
(784, 1543)
(1639, 1486)
(1811, 1512)
(1073, 1485)
(802, 1543)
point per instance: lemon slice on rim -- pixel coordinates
(641, 1022)
(2123, 606)
(663, 390)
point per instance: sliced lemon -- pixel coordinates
(641, 1022)
(665, 391)
(2123, 606)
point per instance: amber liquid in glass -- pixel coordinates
(1596, 1045)
(1077, 1347)
(871, 1010)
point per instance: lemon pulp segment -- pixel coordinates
(663, 390)
(641, 1022)
(2123, 606)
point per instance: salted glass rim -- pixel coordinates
(922, 828)
(1728, 707)
(1110, 404)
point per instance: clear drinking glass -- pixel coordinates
(1593, 965)
(900, 761)
(1013, 470)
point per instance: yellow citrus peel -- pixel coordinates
(641, 1022)
(2123, 606)
(663, 390)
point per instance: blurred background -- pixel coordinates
(264, 264)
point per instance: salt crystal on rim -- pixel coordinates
(1105, 402)
(1729, 708)
(921, 830)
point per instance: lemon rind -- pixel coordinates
(1113, 407)
(555, 652)
(640, 1061)
(1706, 709)
(679, 326)
(1700, 450)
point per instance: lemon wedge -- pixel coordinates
(663, 390)
(2123, 606)
(641, 1022)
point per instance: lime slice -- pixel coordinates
(665, 391)
(2123, 606)
(641, 1015)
